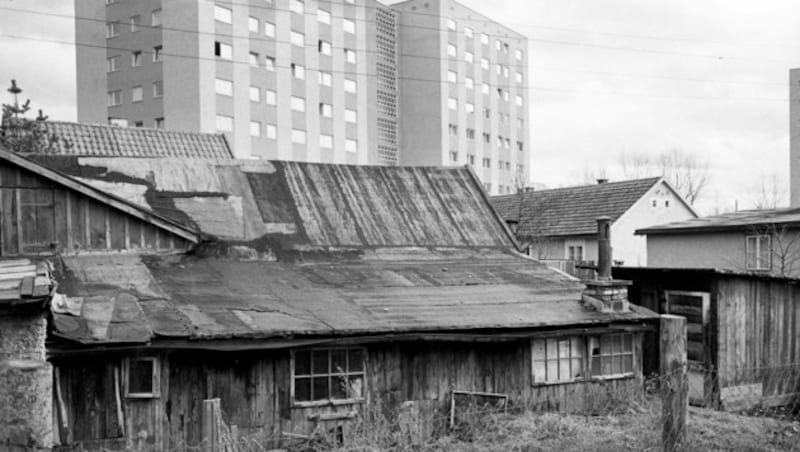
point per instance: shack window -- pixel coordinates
(757, 252)
(141, 377)
(326, 375)
(577, 358)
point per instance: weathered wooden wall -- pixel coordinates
(41, 217)
(254, 388)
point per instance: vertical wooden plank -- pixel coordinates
(98, 226)
(675, 391)
(127, 232)
(116, 230)
(45, 218)
(60, 221)
(87, 225)
(10, 222)
(20, 221)
(69, 243)
(107, 226)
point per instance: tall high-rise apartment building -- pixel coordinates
(284, 79)
(421, 82)
(463, 92)
(794, 137)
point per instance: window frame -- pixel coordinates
(585, 340)
(758, 251)
(156, 377)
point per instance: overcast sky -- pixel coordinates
(606, 77)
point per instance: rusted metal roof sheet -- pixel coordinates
(24, 281)
(118, 298)
(112, 141)
(299, 205)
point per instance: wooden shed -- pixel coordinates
(301, 294)
(743, 332)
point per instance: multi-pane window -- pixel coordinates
(158, 89)
(350, 56)
(575, 252)
(112, 64)
(454, 156)
(326, 141)
(117, 122)
(155, 18)
(269, 29)
(136, 58)
(322, 375)
(487, 163)
(271, 131)
(136, 94)
(325, 110)
(270, 97)
(252, 24)
(350, 145)
(350, 85)
(114, 98)
(324, 47)
(471, 134)
(350, 115)
(269, 63)
(224, 123)
(157, 54)
(255, 129)
(298, 136)
(253, 59)
(451, 76)
(453, 130)
(297, 38)
(576, 358)
(758, 252)
(136, 23)
(487, 113)
(223, 15)
(298, 103)
(348, 26)
(324, 16)
(325, 78)
(297, 6)
(298, 71)
(112, 29)
(255, 94)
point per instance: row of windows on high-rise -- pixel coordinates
(113, 29)
(225, 123)
(500, 46)
(115, 97)
(225, 15)
(502, 142)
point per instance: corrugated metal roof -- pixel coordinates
(299, 205)
(24, 281)
(742, 220)
(119, 298)
(570, 210)
(113, 141)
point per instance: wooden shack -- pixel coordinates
(302, 294)
(743, 332)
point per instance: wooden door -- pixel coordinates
(695, 307)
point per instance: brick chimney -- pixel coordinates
(605, 293)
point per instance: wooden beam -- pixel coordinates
(674, 382)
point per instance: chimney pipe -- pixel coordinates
(602, 181)
(604, 248)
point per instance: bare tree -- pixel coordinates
(588, 176)
(688, 175)
(773, 248)
(784, 249)
(770, 192)
(531, 222)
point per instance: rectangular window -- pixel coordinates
(350, 56)
(487, 113)
(159, 123)
(520, 146)
(271, 97)
(518, 54)
(255, 94)
(157, 54)
(252, 24)
(141, 378)
(136, 94)
(297, 6)
(114, 98)
(469, 57)
(505, 71)
(136, 58)
(349, 26)
(297, 38)
(155, 18)
(498, 68)
(451, 76)
(451, 25)
(454, 156)
(518, 77)
(255, 129)
(471, 134)
(269, 29)
(325, 78)
(452, 103)
(112, 29)
(487, 162)
(484, 38)
(253, 59)
(453, 130)
(112, 64)
(487, 138)
(518, 100)
(117, 122)
(324, 375)
(325, 110)
(298, 72)
(350, 85)
(485, 64)
(451, 50)
(298, 136)
(224, 123)
(138, 124)
(269, 63)
(469, 83)
(471, 159)
(520, 123)
(470, 108)
(326, 141)
(323, 16)
(350, 145)
(578, 358)
(575, 252)
(136, 23)
(497, 44)
(223, 15)
(158, 89)
(324, 47)
(485, 88)
(758, 252)
(298, 103)
(350, 115)
(271, 131)
(468, 32)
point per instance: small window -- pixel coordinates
(577, 358)
(298, 71)
(469, 83)
(298, 136)
(452, 129)
(520, 146)
(452, 103)
(136, 58)
(253, 59)
(454, 156)
(350, 85)
(255, 129)
(136, 23)
(451, 76)
(269, 29)
(518, 54)
(471, 134)
(138, 124)
(298, 103)
(758, 252)
(136, 94)
(487, 138)
(224, 123)
(255, 94)
(271, 131)
(158, 89)
(451, 25)
(485, 88)
(157, 54)
(519, 101)
(269, 63)
(325, 78)
(469, 108)
(469, 57)
(350, 56)
(155, 18)
(326, 141)
(350, 145)
(114, 98)
(118, 122)
(452, 50)
(297, 6)
(485, 64)
(297, 38)
(112, 29)
(471, 159)
(223, 15)
(112, 64)
(518, 77)
(468, 32)
(159, 123)
(323, 16)
(487, 163)
(324, 47)
(141, 378)
(484, 38)
(325, 110)
(350, 115)
(348, 26)
(666, 203)
(253, 25)
(271, 97)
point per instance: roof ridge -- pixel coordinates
(133, 129)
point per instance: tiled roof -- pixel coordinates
(24, 281)
(112, 141)
(300, 205)
(570, 210)
(137, 299)
(741, 220)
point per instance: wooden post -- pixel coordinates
(674, 382)
(211, 414)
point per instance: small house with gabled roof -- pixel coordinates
(299, 295)
(559, 224)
